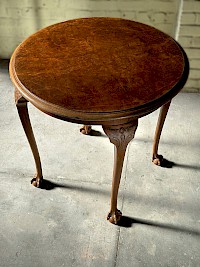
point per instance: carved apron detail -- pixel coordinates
(121, 135)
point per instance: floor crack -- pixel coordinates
(123, 194)
(117, 247)
(125, 175)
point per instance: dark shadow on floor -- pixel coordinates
(4, 64)
(165, 142)
(94, 133)
(187, 166)
(97, 133)
(48, 185)
(128, 222)
(169, 164)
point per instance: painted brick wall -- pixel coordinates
(189, 38)
(20, 18)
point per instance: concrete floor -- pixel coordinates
(67, 226)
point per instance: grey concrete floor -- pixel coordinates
(67, 226)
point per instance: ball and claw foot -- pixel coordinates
(36, 182)
(158, 160)
(86, 129)
(114, 216)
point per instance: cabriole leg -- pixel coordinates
(21, 104)
(157, 159)
(120, 136)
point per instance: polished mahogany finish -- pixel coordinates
(99, 71)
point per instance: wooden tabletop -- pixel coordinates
(98, 69)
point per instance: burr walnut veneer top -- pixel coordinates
(98, 69)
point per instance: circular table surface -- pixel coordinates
(85, 69)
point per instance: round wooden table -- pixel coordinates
(98, 71)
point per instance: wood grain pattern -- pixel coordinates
(98, 69)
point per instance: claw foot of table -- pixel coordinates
(157, 160)
(86, 129)
(114, 216)
(37, 182)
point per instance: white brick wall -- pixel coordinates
(20, 18)
(189, 38)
